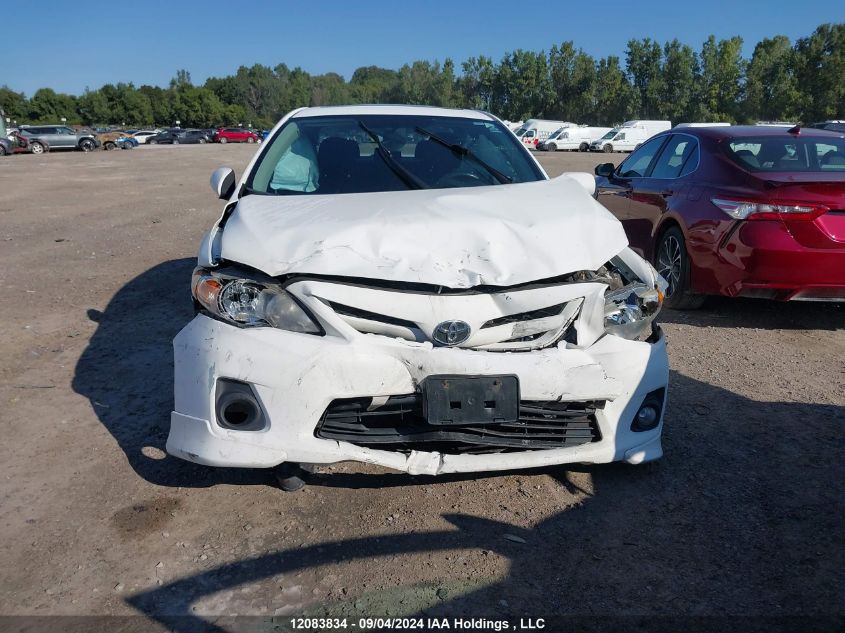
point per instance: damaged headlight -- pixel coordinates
(249, 302)
(629, 311)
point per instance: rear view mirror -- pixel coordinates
(605, 169)
(223, 182)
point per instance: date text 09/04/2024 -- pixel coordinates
(423, 624)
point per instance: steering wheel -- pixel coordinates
(460, 179)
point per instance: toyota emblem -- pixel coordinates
(451, 332)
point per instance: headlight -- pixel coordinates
(248, 302)
(629, 311)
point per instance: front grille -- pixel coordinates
(399, 425)
(526, 316)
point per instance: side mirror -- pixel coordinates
(223, 182)
(605, 169)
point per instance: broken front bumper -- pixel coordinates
(296, 377)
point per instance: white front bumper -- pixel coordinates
(296, 376)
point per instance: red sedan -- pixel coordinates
(737, 211)
(235, 135)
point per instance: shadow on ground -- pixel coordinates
(742, 517)
(126, 372)
(761, 314)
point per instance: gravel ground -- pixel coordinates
(743, 516)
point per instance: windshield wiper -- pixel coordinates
(460, 150)
(407, 177)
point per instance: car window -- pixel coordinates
(679, 157)
(333, 154)
(636, 165)
(787, 153)
(529, 134)
(66, 130)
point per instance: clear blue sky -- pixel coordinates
(68, 45)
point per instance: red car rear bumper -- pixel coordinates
(764, 259)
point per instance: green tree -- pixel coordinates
(161, 104)
(720, 83)
(477, 84)
(820, 73)
(199, 107)
(677, 85)
(573, 80)
(522, 88)
(94, 108)
(14, 104)
(643, 61)
(328, 89)
(614, 98)
(771, 88)
(372, 84)
(48, 106)
(425, 83)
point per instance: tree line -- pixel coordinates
(801, 81)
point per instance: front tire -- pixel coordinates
(672, 262)
(250, 140)
(87, 145)
(152, 142)
(583, 147)
(552, 147)
(36, 148)
(608, 148)
(108, 146)
(223, 141)
(175, 141)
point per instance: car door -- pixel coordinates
(48, 134)
(66, 137)
(621, 193)
(663, 187)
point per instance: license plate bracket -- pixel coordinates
(455, 399)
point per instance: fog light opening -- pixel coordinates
(239, 412)
(648, 415)
(237, 406)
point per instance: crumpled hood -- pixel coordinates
(459, 238)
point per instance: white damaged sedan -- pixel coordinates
(405, 286)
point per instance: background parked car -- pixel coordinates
(836, 126)
(117, 140)
(165, 137)
(62, 137)
(26, 145)
(235, 135)
(192, 136)
(737, 211)
(7, 146)
(142, 135)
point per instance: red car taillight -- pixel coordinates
(775, 210)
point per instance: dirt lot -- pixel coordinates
(743, 516)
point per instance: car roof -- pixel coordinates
(387, 109)
(740, 131)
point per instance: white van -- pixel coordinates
(533, 131)
(629, 136)
(573, 138)
(719, 124)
